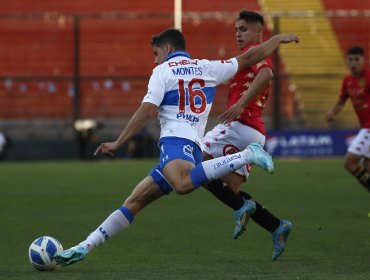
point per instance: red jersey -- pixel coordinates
(239, 85)
(358, 89)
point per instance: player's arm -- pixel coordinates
(260, 52)
(137, 122)
(260, 82)
(337, 108)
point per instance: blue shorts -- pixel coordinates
(172, 148)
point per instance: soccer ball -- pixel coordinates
(42, 251)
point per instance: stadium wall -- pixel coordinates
(37, 82)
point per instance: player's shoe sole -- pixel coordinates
(261, 158)
(71, 255)
(279, 238)
(242, 217)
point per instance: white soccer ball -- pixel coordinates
(42, 251)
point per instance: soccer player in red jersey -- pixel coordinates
(242, 125)
(356, 86)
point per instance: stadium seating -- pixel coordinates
(317, 66)
(116, 59)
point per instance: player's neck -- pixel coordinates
(358, 73)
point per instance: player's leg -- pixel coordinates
(355, 161)
(185, 180)
(229, 139)
(144, 193)
(279, 229)
(366, 163)
(222, 192)
(218, 167)
(355, 165)
(233, 182)
(184, 171)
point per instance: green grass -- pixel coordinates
(185, 237)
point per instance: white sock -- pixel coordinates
(115, 223)
(216, 168)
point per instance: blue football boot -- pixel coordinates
(71, 255)
(242, 217)
(279, 238)
(261, 158)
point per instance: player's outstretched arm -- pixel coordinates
(260, 82)
(260, 52)
(337, 108)
(137, 122)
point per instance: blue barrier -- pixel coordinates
(309, 143)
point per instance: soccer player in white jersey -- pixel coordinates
(181, 91)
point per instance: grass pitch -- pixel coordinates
(185, 237)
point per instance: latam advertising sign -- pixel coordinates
(309, 143)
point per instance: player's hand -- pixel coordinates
(107, 149)
(232, 113)
(288, 38)
(329, 116)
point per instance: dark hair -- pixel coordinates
(356, 50)
(171, 36)
(250, 16)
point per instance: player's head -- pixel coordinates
(355, 60)
(167, 42)
(249, 28)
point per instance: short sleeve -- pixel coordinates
(156, 88)
(224, 70)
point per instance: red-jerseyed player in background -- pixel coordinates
(242, 125)
(356, 86)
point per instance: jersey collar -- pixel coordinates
(247, 47)
(177, 53)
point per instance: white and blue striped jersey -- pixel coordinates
(184, 89)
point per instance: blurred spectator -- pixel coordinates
(140, 146)
(4, 145)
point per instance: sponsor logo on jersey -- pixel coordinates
(188, 117)
(183, 62)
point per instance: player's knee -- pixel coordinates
(349, 166)
(182, 188)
